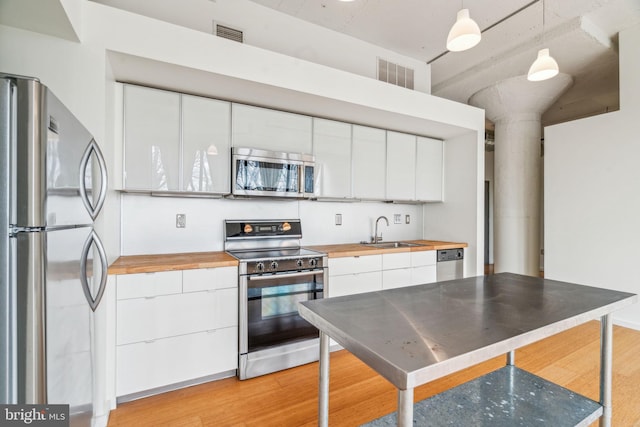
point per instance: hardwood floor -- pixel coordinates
(358, 395)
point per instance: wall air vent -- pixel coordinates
(229, 33)
(395, 74)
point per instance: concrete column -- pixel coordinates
(515, 106)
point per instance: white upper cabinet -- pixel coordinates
(332, 151)
(175, 142)
(429, 169)
(206, 136)
(368, 162)
(273, 130)
(152, 139)
(401, 166)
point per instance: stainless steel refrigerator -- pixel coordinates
(53, 267)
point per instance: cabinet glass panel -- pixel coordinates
(206, 134)
(152, 139)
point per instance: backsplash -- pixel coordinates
(149, 223)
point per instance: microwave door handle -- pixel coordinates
(84, 163)
(93, 302)
(301, 181)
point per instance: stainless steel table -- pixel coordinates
(417, 334)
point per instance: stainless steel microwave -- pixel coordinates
(268, 173)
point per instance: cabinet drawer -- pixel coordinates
(423, 258)
(421, 275)
(355, 284)
(145, 319)
(149, 284)
(144, 366)
(398, 260)
(397, 278)
(354, 264)
(209, 278)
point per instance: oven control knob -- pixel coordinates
(313, 262)
(260, 266)
(274, 265)
(299, 263)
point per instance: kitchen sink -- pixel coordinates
(391, 245)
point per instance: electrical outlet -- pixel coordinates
(407, 219)
(181, 220)
(338, 219)
(397, 219)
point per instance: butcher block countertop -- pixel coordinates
(167, 262)
(187, 261)
(357, 249)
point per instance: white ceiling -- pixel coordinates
(581, 34)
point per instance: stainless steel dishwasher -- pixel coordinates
(450, 264)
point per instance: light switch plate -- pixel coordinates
(338, 219)
(407, 219)
(397, 219)
(181, 220)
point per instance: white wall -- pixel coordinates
(592, 192)
(148, 223)
(268, 29)
(461, 217)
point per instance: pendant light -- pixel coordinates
(544, 67)
(464, 34)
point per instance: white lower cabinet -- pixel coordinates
(142, 319)
(148, 365)
(397, 278)
(175, 326)
(423, 267)
(351, 284)
(354, 275)
(396, 270)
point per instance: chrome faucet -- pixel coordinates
(375, 238)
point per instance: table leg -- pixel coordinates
(405, 408)
(511, 358)
(323, 392)
(606, 349)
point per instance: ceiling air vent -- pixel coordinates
(395, 74)
(229, 33)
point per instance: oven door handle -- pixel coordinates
(273, 276)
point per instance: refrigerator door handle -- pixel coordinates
(91, 239)
(93, 148)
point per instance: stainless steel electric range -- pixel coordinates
(275, 273)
